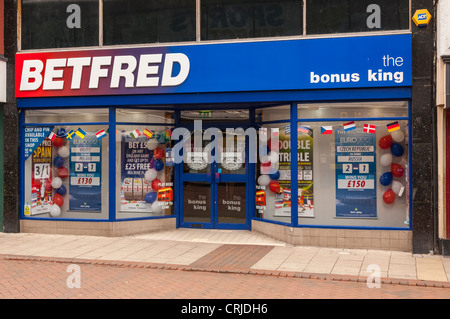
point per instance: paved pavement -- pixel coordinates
(229, 251)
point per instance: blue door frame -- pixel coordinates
(213, 178)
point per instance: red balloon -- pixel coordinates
(389, 196)
(58, 142)
(58, 200)
(385, 142)
(274, 147)
(62, 172)
(274, 186)
(36, 182)
(158, 153)
(156, 184)
(397, 170)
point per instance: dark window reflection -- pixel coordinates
(233, 19)
(59, 24)
(337, 16)
(148, 21)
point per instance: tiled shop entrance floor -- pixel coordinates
(215, 236)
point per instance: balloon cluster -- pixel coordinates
(156, 165)
(393, 151)
(61, 171)
(269, 173)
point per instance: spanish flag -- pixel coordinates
(394, 126)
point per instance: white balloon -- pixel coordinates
(396, 186)
(55, 211)
(386, 159)
(150, 174)
(263, 180)
(56, 182)
(264, 159)
(152, 144)
(273, 157)
(398, 136)
(63, 151)
(157, 207)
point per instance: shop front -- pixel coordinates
(306, 140)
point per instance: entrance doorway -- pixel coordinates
(214, 176)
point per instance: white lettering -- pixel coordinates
(31, 70)
(170, 59)
(126, 73)
(145, 69)
(51, 73)
(96, 70)
(77, 64)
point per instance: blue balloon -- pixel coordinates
(159, 165)
(386, 179)
(62, 190)
(150, 197)
(397, 149)
(58, 161)
(275, 176)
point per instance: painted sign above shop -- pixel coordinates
(346, 62)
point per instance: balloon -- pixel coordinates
(62, 190)
(159, 165)
(152, 144)
(36, 182)
(398, 136)
(61, 132)
(150, 197)
(56, 182)
(385, 142)
(150, 174)
(396, 186)
(58, 142)
(64, 151)
(397, 149)
(386, 159)
(386, 179)
(157, 207)
(275, 176)
(62, 172)
(58, 200)
(274, 186)
(397, 170)
(389, 196)
(274, 147)
(58, 161)
(48, 185)
(156, 184)
(55, 211)
(263, 180)
(158, 153)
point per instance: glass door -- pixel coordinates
(214, 182)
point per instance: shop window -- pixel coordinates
(337, 16)
(144, 164)
(360, 167)
(66, 169)
(232, 19)
(148, 21)
(59, 24)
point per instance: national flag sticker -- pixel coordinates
(135, 133)
(369, 128)
(80, 133)
(100, 134)
(52, 136)
(303, 129)
(148, 133)
(349, 126)
(325, 130)
(394, 126)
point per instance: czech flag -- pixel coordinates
(325, 130)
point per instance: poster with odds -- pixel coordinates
(305, 174)
(85, 173)
(356, 194)
(41, 190)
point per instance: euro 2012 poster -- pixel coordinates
(305, 173)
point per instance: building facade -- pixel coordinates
(136, 116)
